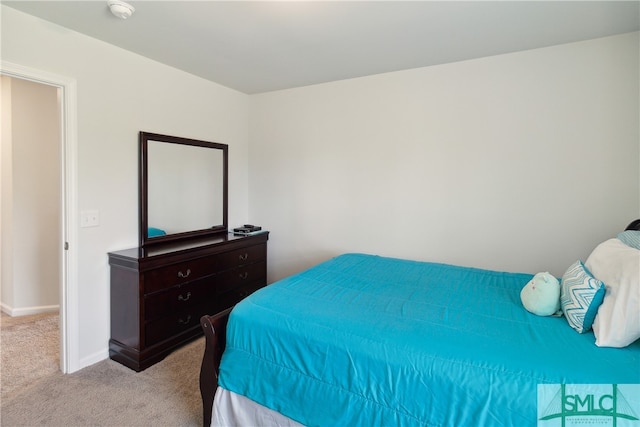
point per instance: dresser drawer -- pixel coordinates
(244, 256)
(175, 323)
(179, 297)
(175, 274)
(240, 276)
(236, 295)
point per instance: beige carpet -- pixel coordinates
(109, 394)
(29, 350)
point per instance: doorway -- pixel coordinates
(31, 197)
(66, 231)
(30, 228)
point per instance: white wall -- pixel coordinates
(31, 197)
(518, 162)
(119, 94)
(6, 191)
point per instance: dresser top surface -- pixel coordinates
(220, 241)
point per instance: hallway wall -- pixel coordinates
(31, 198)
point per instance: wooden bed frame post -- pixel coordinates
(215, 332)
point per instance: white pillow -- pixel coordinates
(617, 323)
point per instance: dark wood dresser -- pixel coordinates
(158, 295)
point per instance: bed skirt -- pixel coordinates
(231, 409)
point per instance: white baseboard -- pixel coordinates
(26, 311)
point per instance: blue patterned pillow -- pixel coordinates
(580, 296)
(630, 238)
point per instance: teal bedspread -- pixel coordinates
(363, 340)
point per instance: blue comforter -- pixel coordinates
(363, 340)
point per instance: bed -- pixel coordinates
(364, 340)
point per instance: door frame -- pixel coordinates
(69, 316)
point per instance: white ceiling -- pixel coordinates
(260, 46)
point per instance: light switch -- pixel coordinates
(89, 218)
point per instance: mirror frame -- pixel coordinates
(144, 139)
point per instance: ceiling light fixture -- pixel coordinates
(121, 9)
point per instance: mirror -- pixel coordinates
(183, 188)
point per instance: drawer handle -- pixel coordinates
(181, 298)
(244, 257)
(184, 275)
(184, 321)
(243, 275)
